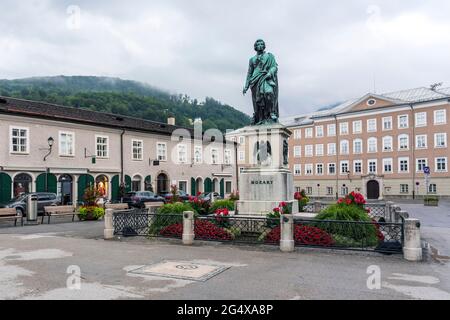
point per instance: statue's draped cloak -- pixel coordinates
(264, 91)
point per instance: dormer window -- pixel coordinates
(371, 102)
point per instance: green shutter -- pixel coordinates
(127, 183)
(5, 187)
(84, 182)
(148, 184)
(51, 183)
(222, 188)
(208, 185)
(115, 188)
(193, 187)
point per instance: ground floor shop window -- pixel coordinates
(228, 187)
(22, 184)
(404, 188)
(136, 184)
(182, 186)
(102, 185)
(432, 188)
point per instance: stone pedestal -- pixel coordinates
(268, 181)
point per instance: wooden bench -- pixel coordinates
(153, 206)
(11, 214)
(117, 206)
(59, 211)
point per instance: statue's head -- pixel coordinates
(260, 45)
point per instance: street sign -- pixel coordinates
(426, 170)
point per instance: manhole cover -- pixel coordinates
(181, 270)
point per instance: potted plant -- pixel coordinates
(302, 199)
(90, 211)
(431, 201)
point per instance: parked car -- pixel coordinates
(181, 194)
(206, 196)
(139, 198)
(20, 203)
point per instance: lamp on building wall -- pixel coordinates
(50, 142)
(348, 175)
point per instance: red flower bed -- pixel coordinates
(204, 230)
(303, 235)
(172, 231)
(380, 234)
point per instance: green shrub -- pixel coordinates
(91, 213)
(200, 206)
(302, 199)
(168, 214)
(175, 208)
(273, 219)
(222, 204)
(351, 213)
(234, 196)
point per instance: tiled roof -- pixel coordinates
(78, 115)
(445, 91)
(406, 96)
(415, 95)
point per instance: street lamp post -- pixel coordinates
(50, 142)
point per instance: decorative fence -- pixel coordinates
(139, 222)
(236, 229)
(348, 235)
(377, 210)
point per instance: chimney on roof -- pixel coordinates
(171, 121)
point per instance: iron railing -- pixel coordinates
(350, 235)
(252, 230)
(377, 210)
(139, 222)
(346, 235)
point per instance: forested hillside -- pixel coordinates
(125, 97)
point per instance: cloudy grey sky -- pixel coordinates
(328, 51)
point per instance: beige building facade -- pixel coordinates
(379, 145)
(48, 148)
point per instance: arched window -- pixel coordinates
(163, 184)
(22, 184)
(102, 185)
(136, 183)
(65, 189)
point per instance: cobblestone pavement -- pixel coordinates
(34, 264)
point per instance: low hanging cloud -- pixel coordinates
(326, 53)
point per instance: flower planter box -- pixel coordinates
(431, 202)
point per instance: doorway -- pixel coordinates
(163, 184)
(373, 190)
(65, 189)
